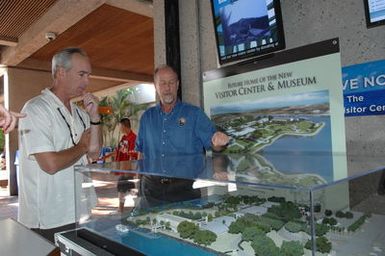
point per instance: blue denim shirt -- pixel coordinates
(185, 130)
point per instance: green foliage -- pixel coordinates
(275, 223)
(358, 223)
(341, 214)
(265, 246)
(328, 212)
(249, 200)
(276, 199)
(204, 237)
(248, 220)
(329, 221)
(187, 229)
(321, 229)
(233, 200)
(121, 107)
(295, 227)
(291, 248)
(317, 208)
(322, 243)
(188, 215)
(348, 215)
(140, 222)
(287, 210)
(251, 233)
(2, 140)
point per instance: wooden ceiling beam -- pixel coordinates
(135, 6)
(119, 76)
(61, 16)
(8, 41)
(97, 73)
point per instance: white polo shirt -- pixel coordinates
(47, 201)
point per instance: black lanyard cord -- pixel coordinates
(68, 125)
(81, 119)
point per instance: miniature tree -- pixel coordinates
(321, 229)
(264, 245)
(251, 233)
(204, 237)
(186, 229)
(328, 212)
(340, 214)
(322, 243)
(317, 208)
(294, 227)
(292, 248)
(329, 221)
(349, 215)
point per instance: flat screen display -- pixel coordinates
(246, 28)
(375, 12)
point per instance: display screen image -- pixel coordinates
(246, 28)
(375, 12)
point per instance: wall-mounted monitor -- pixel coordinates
(374, 12)
(246, 28)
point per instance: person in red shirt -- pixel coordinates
(125, 152)
(126, 146)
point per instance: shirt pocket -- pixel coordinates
(181, 140)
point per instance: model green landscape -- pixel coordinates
(255, 168)
(251, 225)
(252, 131)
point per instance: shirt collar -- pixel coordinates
(177, 106)
(55, 101)
(47, 93)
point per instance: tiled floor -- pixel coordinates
(8, 205)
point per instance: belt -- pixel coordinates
(162, 181)
(165, 181)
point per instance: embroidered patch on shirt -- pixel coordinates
(182, 121)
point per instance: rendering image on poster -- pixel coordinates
(289, 110)
(291, 127)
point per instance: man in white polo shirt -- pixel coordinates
(56, 135)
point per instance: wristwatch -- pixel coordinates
(96, 123)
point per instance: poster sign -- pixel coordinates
(363, 87)
(288, 109)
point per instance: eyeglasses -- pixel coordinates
(68, 125)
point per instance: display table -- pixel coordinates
(19, 240)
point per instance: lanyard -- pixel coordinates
(68, 125)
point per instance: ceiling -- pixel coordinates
(116, 34)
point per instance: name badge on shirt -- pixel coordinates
(182, 121)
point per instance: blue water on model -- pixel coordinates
(146, 242)
(304, 154)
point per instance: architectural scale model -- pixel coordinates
(251, 225)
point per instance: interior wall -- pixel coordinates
(24, 84)
(159, 33)
(305, 22)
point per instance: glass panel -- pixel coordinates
(229, 204)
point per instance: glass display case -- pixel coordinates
(223, 204)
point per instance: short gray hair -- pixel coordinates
(62, 59)
(164, 66)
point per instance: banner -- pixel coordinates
(288, 109)
(363, 87)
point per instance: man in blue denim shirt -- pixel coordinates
(174, 128)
